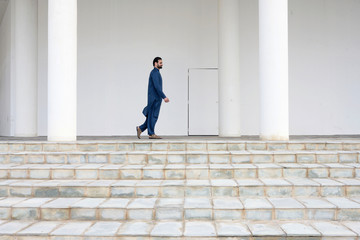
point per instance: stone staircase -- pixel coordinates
(180, 189)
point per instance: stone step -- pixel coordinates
(181, 157)
(276, 187)
(180, 209)
(180, 230)
(175, 145)
(178, 171)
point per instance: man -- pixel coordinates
(155, 96)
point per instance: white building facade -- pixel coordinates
(81, 67)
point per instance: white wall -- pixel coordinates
(118, 39)
(324, 66)
(5, 73)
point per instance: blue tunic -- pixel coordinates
(155, 93)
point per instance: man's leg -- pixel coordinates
(153, 117)
(144, 126)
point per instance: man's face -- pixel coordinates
(159, 64)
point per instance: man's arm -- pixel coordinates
(156, 81)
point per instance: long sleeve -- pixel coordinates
(157, 82)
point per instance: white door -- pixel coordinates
(203, 101)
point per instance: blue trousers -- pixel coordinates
(151, 118)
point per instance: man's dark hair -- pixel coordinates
(156, 60)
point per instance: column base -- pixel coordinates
(274, 137)
(61, 139)
(229, 135)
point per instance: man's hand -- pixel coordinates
(166, 100)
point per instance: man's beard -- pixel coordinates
(160, 67)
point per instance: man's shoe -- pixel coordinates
(154, 136)
(138, 132)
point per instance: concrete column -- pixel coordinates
(229, 72)
(25, 67)
(62, 70)
(273, 60)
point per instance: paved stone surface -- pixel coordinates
(171, 229)
(180, 188)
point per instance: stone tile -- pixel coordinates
(199, 183)
(199, 229)
(227, 214)
(275, 182)
(219, 158)
(344, 203)
(334, 146)
(177, 146)
(305, 157)
(277, 146)
(170, 203)
(212, 146)
(198, 214)
(159, 146)
(353, 226)
(168, 183)
(316, 203)
(134, 158)
(142, 203)
(348, 157)
(255, 146)
(223, 183)
(349, 181)
(32, 202)
(266, 229)
(284, 158)
(8, 202)
(87, 147)
(147, 191)
(299, 229)
(125, 147)
(112, 214)
(75, 228)
(249, 182)
(135, 229)
(88, 203)
(169, 214)
(157, 158)
(256, 203)
(103, 229)
(125, 183)
(327, 182)
(140, 214)
(296, 146)
(332, 229)
(115, 203)
(197, 158)
(13, 227)
(25, 213)
(107, 147)
(227, 203)
(262, 158)
(149, 183)
(232, 229)
(197, 203)
(117, 158)
(284, 203)
(167, 229)
(236, 146)
(302, 182)
(40, 228)
(240, 157)
(176, 158)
